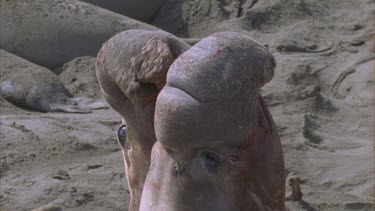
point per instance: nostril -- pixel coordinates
(121, 135)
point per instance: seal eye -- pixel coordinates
(211, 161)
(121, 135)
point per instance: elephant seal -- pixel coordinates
(211, 121)
(37, 88)
(214, 145)
(131, 68)
(143, 10)
(52, 32)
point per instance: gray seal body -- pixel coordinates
(34, 87)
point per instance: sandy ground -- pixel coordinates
(72, 160)
(321, 98)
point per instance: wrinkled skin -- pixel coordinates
(213, 144)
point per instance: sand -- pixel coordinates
(321, 98)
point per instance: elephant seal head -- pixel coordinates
(217, 146)
(200, 136)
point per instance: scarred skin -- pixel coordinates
(213, 144)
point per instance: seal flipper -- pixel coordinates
(78, 105)
(68, 108)
(90, 103)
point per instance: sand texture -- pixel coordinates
(321, 98)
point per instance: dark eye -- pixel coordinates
(121, 135)
(211, 160)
